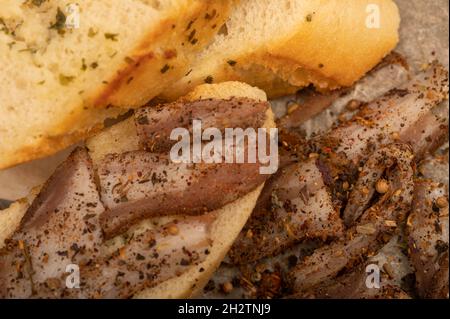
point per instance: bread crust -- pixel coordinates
(338, 45)
(85, 117)
(331, 47)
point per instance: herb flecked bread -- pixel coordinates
(230, 219)
(59, 83)
(280, 46)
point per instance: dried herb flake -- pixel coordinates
(111, 36)
(65, 80)
(60, 21)
(209, 79)
(165, 68)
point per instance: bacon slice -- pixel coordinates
(60, 228)
(366, 237)
(147, 259)
(428, 232)
(313, 111)
(364, 189)
(353, 286)
(294, 205)
(155, 124)
(397, 116)
(138, 185)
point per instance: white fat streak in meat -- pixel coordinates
(140, 176)
(318, 210)
(149, 258)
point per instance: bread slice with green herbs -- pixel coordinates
(68, 65)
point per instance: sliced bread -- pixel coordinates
(68, 65)
(280, 46)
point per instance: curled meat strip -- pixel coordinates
(353, 286)
(60, 228)
(397, 116)
(138, 185)
(294, 205)
(365, 187)
(366, 237)
(155, 124)
(428, 233)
